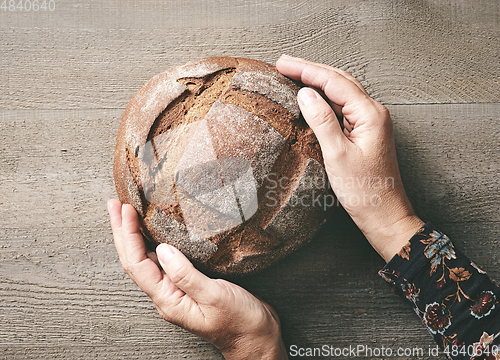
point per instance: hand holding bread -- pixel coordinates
(239, 324)
(360, 156)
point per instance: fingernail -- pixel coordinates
(165, 253)
(307, 96)
(286, 57)
(109, 205)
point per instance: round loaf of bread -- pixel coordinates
(218, 162)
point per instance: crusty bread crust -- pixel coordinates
(217, 161)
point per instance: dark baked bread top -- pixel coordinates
(217, 161)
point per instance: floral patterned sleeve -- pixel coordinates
(453, 297)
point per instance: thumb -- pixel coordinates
(321, 118)
(185, 276)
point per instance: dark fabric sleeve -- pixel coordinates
(454, 298)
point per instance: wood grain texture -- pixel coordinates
(65, 79)
(63, 294)
(96, 54)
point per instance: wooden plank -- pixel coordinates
(449, 158)
(433, 51)
(57, 164)
(97, 54)
(445, 157)
(63, 293)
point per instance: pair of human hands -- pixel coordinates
(360, 160)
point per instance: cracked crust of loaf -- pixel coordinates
(165, 115)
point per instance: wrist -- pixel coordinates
(258, 349)
(389, 223)
(389, 239)
(403, 231)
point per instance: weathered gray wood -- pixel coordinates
(63, 294)
(96, 54)
(65, 78)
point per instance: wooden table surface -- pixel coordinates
(65, 78)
